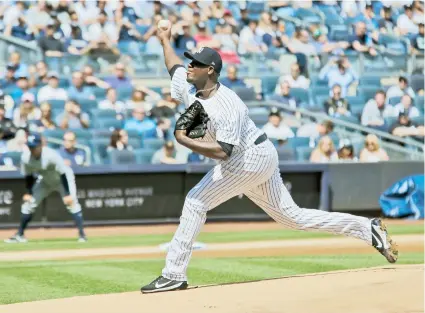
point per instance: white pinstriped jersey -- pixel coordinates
(229, 120)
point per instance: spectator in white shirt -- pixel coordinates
(400, 89)
(103, 26)
(111, 102)
(405, 106)
(86, 11)
(52, 91)
(376, 110)
(405, 22)
(276, 129)
(248, 40)
(339, 73)
(295, 79)
(301, 44)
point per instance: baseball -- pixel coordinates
(164, 24)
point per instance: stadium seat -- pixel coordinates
(99, 146)
(356, 100)
(102, 113)
(133, 133)
(153, 143)
(303, 153)
(258, 110)
(417, 82)
(394, 100)
(286, 153)
(246, 94)
(12, 158)
(122, 157)
(418, 120)
(316, 81)
(57, 104)
(390, 121)
(87, 104)
(136, 143)
(144, 156)
(82, 134)
(101, 133)
(300, 94)
(419, 103)
(296, 142)
(111, 123)
(259, 119)
(99, 93)
(370, 81)
(124, 93)
(63, 82)
(54, 133)
(268, 84)
(368, 92)
(320, 91)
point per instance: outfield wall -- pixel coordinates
(155, 193)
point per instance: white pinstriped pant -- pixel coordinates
(255, 173)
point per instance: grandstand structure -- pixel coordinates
(395, 55)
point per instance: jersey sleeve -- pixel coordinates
(57, 160)
(229, 127)
(179, 85)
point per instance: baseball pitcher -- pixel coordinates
(216, 124)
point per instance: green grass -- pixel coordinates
(30, 281)
(219, 237)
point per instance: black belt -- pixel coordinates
(260, 139)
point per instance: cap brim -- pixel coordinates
(190, 56)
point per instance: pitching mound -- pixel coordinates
(392, 289)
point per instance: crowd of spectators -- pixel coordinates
(112, 36)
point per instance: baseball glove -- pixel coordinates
(194, 120)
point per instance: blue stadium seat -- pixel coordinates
(390, 121)
(57, 104)
(356, 101)
(153, 143)
(286, 153)
(268, 84)
(351, 119)
(316, 81)
(99, 93)
(133, 133)
(320, 100)
(136, 143)
(320, 91)
(101, 133)
(144, 156)
(258, 110)
(64, 82)
(54, 133)
(417, 82)
(122, 157)
(259, 119)
(246, 94)
(87, 104)
(296, 142)
(418, 120)
(111, 123)
(102, 113)
(368, 92)
(12, 158)
(99, 146)
(303, 153)
(82, 134)
(370, 81)
(394, 100)
(419, 103)
(300, 94)
(124, 93)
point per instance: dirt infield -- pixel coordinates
(48, 233)
(392, 289)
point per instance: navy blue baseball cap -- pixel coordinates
(206, 56)
(34, 140)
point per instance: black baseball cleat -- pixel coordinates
(383, 242)
(164, 284)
